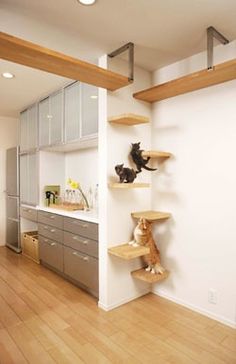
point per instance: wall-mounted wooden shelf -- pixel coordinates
(151, 215)
(128, 252)
(221, 73)
(32, 55)
(148, 277)
(128, 119)
(155, 154)
(127, 186)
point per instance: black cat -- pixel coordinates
(136, 154)
(127, 175)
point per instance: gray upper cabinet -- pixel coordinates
(29, 129)
(56, 118)
(44, 123)
(72, 112)
(89, 110)
(51, 120)
(29, 179)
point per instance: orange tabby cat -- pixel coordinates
(143, 236)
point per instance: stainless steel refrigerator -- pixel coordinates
(13, 199)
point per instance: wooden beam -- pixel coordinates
(195, 81)
(17, 50)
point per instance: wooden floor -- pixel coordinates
(44, 319)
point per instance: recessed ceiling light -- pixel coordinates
(7, 75)
(87, 2)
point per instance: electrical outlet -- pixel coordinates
(212, 296)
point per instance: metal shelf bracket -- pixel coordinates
(211, 34)
(130, 47)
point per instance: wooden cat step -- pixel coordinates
(128, 185)
(148, 277)
(128, 119)
(128, 252)
(151, 215)
(155, 154)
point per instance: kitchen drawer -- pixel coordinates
(51, 253)
(29, 214)
(82, 244)
(50, 219)
(79, 227)
(82, 268)
(50, 232)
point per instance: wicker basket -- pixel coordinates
(30, 245)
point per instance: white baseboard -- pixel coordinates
(204, 312)
(121, 302)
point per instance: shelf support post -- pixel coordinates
(211, 34)
(130, 47)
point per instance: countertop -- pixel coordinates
(90, 216)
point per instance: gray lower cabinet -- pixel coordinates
(51, 253)
(70, 246)
(82, 268)
(29, 214)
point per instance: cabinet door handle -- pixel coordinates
(52, 217)
(52, 244)
(45, 227)
(85, 242)
(45, 240)
(83, 225)
(52, 231)
(80, 256)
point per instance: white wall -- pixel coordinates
(82, 166)
(197, 186)
(116, 225)
(8, 139)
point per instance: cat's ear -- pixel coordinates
(138, 143)
(122, 165)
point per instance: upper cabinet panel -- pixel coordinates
(72, 112)
(56, 118)
(89, 110)
(44, 123)
(29, 129)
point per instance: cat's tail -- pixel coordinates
(149, 169)
(159, 269)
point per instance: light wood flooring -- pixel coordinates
(45, 319)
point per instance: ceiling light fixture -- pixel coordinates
(7, 75)
(86, 2)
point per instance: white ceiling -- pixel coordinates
(163, 31)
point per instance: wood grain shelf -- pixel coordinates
(148, 277)
(156, 154)
(151, 215)
(17, 50)
(127, 186)
(128, 119)
(128, 252)
(222, 72)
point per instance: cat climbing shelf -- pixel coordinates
(155, 154)
(127, 186)
(128, 119)
(151, 215)
(128, 252)
(148, 277)
(220, 73)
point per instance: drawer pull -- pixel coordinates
(52, 244)
(26, 210)
(85, 242)
(83, 225)
(52, 231)
(45, 227)
(52, 217)
(80, 256)
(45, 240)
